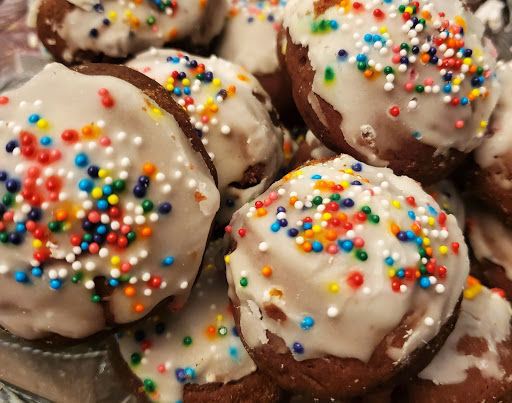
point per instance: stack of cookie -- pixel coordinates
(141, 199)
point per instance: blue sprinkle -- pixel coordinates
(368, 38)
(411, 214)
(281, 209)
(411, 235)
(316, 177)
(20, 227)
(37, 272)
(361, 58)
(416, 135)
(84, 246)
(283, 222)
(356, 166)
(33, 119)
(275, 227)
(81, 160)
(402, 236)
(113, 282)
(464, 101)
(432, 210)
(102, 204)
(348, 202)
(424, 282)
(180, 374)
(55, 283)
(317, 246)
(20, 277)
(342, 54)
(419, 240)
(177, 92)
(334, 25)
(169, 260)
(94, 33)
(297, 348)
(235, 331)
(45, 141)
(400, 273)
(376, 38)
(346, 245)
(293, 232)
(107, 190)
(186, 90)
(389, 261)
(307, 323)
(101, 230)
(190, 373)
(356, 183)
(308, 225)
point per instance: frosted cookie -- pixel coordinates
(344, 277)
(108, 198)
(76, 31)
(491, 245)
(250, 40)
(474, 364)
(195, 355)
(407, 87)
(492, 179)
(231, 113)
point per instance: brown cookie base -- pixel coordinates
(414, 158)
(345, 378)
(252, 388)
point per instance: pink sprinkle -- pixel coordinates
(125, 229)
(8, 216)
(161, 368)
(358, 242)
(267, 201)
(125, 267)
(409, 86)
(396, 59)
(55, 155)
(105, 141)
(94, 217)
(396, 49)
(429, 82)
(102, 91)
(332, 249)
(94, 247)
(273, 196)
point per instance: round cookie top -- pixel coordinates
(498, 144)
(344, 251)
(419, 70)
(118, 28)
(197, 345)
(106, 205)
(231, 113)
(250, 36)
(485, 315)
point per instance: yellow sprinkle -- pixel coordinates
(97, 193)
(396, 204)
(214, 108)
(299, 173)
(443, 249)
(112, 15)
(169, 87)
(467, 61)
(483, 123)
(186, 82)
(349, 171)
(476, 92)
(220, 317)
(383, 30)
(473, 291)
(157, 111)
(408, 10)
(170, 80)
(426, 241)
(37, 243)
(113, 199)
(260, 17)
(431, 220)
(226, 258)
(391, 272)
(42, 123)
(317, 228)
(128, 13)
(102, 173)
(326, 216)
(460, 22)
(456, 81)
(216, 82)
(210, 101)
(345, 184)
(115, 260)
(334, 288)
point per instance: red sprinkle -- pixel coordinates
(242, 232)
(394, 111)
(4, 100)
(355, 280)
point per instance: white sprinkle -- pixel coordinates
(137, 141)
(263, 247)
(184, 285)
(429, 321)
(332, 312)
(89, 284)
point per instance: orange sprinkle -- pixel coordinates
(331, 235)
(417, 274)
(232, 89)
(368, 73)
(200, 70)
(450, 43)
(472, 68)
(309, 233)
(149, 168)
(146, 231)
(415, 229)
(87, 130)
(307, 247)
(425, 58)
(471, 281)
(61, 215)
(395, 229)
(262, 212)
(429, 251)
(425, 14)
(241, 77)
(129, 291)
(342, 217)
(138, 307)
(471, 97)
(135, 22)
(266, 271)
(173, 33)
(293, 200)
(210, 330)
(203, 4)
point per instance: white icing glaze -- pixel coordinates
(123, 27)
(318, 150)
(449, 199)
(250, 36)
(216, 353)
(491, 239)
(491, 13)
(500, 143)
(486, 316)
(238, 132)
(123, 132)
(424, 115)
(350, 299)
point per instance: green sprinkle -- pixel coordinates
(223, 330)
(329, 73)
(131, 236)
(361, 255)
(244, 281)
(4, 238)
(147, 206)
(8, 200)
(315, 27)
(318, 200)
(55, 226)
(149, 385)
(96, 298)
(366, 209)
(77, 277)
(401, 8)
(87, 237)
(404, 46)
(135, 358)
(388, 70)
(419, 88)
(187, 341)
(374, 218)
(150, 20)
(361, 65)
(479, 71)
(335, 197)
(119, 185)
